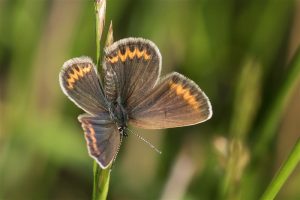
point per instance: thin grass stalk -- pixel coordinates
(100, 8)
(101, 176)
(284, 172)
(101, 182)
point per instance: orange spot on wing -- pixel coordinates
(143, 53)
(123, 57)
(139, 53)
(131, 54)
(113, 59)
(75, 75)
(94, 141)
(185, 94)
(146, 56)
(91, 135)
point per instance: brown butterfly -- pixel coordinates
(131, 92)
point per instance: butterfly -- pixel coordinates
(131, 92)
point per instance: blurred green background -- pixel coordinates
(243, 54)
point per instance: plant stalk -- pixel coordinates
(283, 173)
(101, 176)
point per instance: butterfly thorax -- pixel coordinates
(119, 116)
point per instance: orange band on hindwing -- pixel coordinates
(90, 134)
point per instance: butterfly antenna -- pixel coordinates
(144, 140)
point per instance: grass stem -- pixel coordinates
(101, 176)
(283, 173)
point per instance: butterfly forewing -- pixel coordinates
(102, 137)
(135, 64)
(176, 101)
(80, 82)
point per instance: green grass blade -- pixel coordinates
(283, 173)
(101, 176)
(101, 182)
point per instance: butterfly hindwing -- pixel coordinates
(80, 82)
(176, 101)
(131, 67)
(102, 137)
